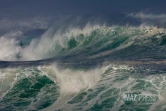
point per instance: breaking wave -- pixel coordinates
(92, 41)
(69, 83)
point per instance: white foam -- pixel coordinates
(7, 78)
(72, 82)
(8, 49)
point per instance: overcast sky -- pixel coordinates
(27, 8)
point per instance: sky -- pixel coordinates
(30, 8)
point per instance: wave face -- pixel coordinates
(92, 41)
(90, 69)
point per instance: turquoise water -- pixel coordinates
(116, 54)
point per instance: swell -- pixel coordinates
(89, 46)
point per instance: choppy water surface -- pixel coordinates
(87, 69)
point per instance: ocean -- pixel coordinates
(92, 68)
